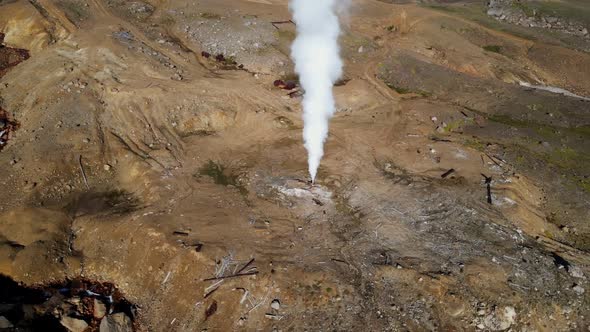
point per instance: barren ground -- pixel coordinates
(134, 161)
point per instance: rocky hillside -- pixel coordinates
(154, 178)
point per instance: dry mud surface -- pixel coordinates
(153, 177)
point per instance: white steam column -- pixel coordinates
(317, 61)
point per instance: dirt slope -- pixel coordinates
(154, 152)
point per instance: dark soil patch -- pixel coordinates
(6, 127)
(41, 307)
(10, 57)
(113, 202)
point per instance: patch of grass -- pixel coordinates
(286, 34)
(524, 7)
(577, 10)
(209, 16)
(398, 89)
(475, 143)
(424, 94)
(453, 125)
(493, 48)
(221, 176)
(534, 107)
(567, 157)
(543, 130)
(167, 20)
(546, 131)
(585, 184)
(508, 120)
(74, 10)
(582, 130)
(548, 234)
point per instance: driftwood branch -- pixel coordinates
(232, 276)
(83, 172)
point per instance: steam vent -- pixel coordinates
(294, 165)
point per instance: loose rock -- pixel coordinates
(100, 310)
(500, 320)
(118, 322)
(275, 304)
(5, 323)
(74, 324)
(578, 289)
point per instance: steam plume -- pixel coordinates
(317, 61)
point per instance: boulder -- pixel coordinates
(100, 309)
(74, 324)
(500, 319)
(118, 322)
(5, 323)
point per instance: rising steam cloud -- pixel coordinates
(317, 61)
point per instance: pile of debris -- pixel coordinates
(516, 12)
(10, 57)
(286, 85)
(227, 63)
(75, 306)
(289, 85)
(6, 127)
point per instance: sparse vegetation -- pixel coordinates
(221, 176)
(493, 48)
(216, 172)
(524, 7)
(286, 34)
(391, 28)
(585, 184)
(167, 20)
(475, 143)
(74, 10)
(398, 89)
(209, 16)
(402, 90)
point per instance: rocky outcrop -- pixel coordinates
(75, 306)
(517, 12)
(116, 323)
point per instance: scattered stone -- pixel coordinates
(177, 77)
(578, 289)
(505, 10)
(118, 322)
(100, 309)
(576, 272)
(106, 167)
(5, 323)
(500, 320)
(74, 324)
(275, 304)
